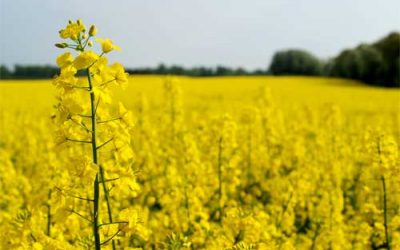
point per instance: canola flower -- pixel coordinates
(87, 115)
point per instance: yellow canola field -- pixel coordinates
(221, 163)
(227, 93)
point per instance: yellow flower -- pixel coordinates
(124, 154)
(37, 246)
(64, 60)
(83, 170)
(72, 30)
(103, 95)
(126, 116)
(85, 60)
(107, 45)
(121, 77)
(75, 102)
(66, 79)
(130, 216)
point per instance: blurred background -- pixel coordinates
(350, 39)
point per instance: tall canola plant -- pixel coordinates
(94, 133)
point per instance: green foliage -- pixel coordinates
(364, 63)
(390, 50)
(5, 73)
(295, 62)
(34, 71)
(219, 70)
(176, 242)
(376, 64)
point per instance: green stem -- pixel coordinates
(107, 198)
(49, 214)
(385, 216)
(96, 198)
(187, 205)
(314, 238)
(96, 230)
(249, 147)
(220, 177)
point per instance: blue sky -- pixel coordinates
(196, 32)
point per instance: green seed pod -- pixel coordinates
(61, 45)
(92, 30)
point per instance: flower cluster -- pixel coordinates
(94, 134)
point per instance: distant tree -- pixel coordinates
(240, 72)
(5, 73)
(34, 71)
(161, 69)
(347, 65)
(259, 72)
(372, 64)
(389, 47)
(295, 62)
(204, 71)
(223, 71)
(376, 64)
(176, 70)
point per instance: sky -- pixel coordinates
(234, 33)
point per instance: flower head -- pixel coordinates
(107, 45)
(121, 77)
(64, 60)
(85, 60)
(72, 30)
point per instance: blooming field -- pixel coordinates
(218, 163)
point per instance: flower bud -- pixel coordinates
(92, 30)
(84, 36)
(90, 43)
(61, 45)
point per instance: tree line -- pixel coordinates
(49, 71)
(376, 64)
